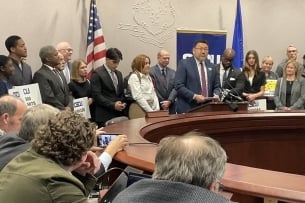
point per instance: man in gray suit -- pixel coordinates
(18, 52)
(164, 81)
(188, 168)
(53, 86)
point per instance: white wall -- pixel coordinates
(269, 25)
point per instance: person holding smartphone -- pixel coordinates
(106, 153)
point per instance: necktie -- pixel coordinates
(224, 78)
(203, 81)
(163, 74)
(57, 74)
(114, 80)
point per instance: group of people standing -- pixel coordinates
(147, 88)
(197, 79)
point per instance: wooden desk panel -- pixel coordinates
(273, 141)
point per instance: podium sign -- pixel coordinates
(81, 106)
(30, 94)
(259, 104)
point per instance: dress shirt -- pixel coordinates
(205, 73)
(142, 90)
(106, 160)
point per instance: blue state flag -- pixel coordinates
(238, 41)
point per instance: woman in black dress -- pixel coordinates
(79, 85)
(255, 79)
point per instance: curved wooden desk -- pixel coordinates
(270, 141)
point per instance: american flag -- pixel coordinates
(96, 47)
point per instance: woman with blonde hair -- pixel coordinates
(79, 85)
(290, 89)
(255, 80)
(142, 88)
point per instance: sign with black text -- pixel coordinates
(30, 94)
(81, 106)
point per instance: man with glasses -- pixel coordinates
(230, 78)
(196, 79)
(107, 88)
(292, 54)
(66, 50)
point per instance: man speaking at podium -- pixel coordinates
(196, 79)
(230, 78)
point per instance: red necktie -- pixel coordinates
(203, 81)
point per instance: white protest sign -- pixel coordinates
(258, 105)
(81, 106)
(30, 94)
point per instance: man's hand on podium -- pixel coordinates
(199, 98)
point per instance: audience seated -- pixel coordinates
(142, 88)
(12, 145)
(6, 71)
(188, 168)
(290, 89)
(11, 112)
(43, 173)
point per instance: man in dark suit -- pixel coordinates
(188, 168)
(18, 52)
(53, 86)
(164, 82)
(107, 88)
(196, 79)
(230, 78)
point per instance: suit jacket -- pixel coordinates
(187, 83)
(297, 94)
(21, 77)
(235, 80)
(54, 91)
(105, 94)
(31, 177)
(10, 147)
(165, 89)
(163, 191)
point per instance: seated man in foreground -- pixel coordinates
(43, 173)
(188, 169)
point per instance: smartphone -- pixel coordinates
(104, 139)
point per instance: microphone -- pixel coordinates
(224, 98)
(234, 95)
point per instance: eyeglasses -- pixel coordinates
(202, 49)
(289, 51)
(68, 50)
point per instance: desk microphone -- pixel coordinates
(229, 92)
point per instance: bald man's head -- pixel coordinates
(163, 58)
(191, 158)
(227, 57)
(65, 49)
(11, 112)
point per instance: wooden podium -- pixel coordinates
(221, 106)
